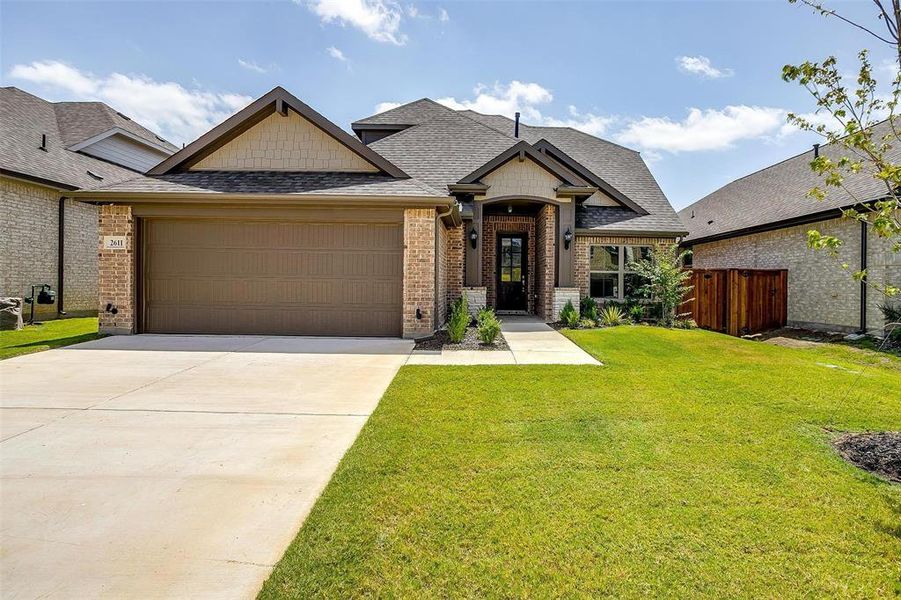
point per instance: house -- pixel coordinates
(47, 150)
(277, 221)
(761, 221)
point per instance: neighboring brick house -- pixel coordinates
(279, 222)
(761, 221)
(47, 150)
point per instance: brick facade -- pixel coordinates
(545, 258)
(117, 271)
(419, 272)
(456, 240)
(492, 225)
(29, 247)
(581, 253)
(820, 293)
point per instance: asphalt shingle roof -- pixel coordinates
(274, 182)
(24, 119)
(778, 193)
(442, 146)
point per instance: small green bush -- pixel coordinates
(488, 326)
(459, 320)
(587, 323)
(588, 308)
(636, 312)
(612, 316)
(569, 316)
(685, 324)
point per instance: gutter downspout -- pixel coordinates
(863, 281)
(438, 218)
(61, 258)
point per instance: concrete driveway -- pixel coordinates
(173, 466)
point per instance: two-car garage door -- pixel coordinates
(311, 277)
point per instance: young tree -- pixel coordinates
(851, 115)
(664, 279)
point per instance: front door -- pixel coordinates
(511, 272)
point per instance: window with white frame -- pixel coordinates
(609, 276)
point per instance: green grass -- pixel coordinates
(691, 464)
(47, 335)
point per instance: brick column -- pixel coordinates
(419, 272)
(117, 271)
(545, 257)
(456, 240)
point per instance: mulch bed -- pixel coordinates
(877, 452)
(441, 341)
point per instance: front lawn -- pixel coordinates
(691, 464)
(47, 335)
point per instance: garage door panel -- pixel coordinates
(294, 278)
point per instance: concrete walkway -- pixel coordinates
(173, 466)
(531, 342)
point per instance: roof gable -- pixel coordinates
(519, 152)
(301, 137)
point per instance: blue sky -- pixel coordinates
(694, 85)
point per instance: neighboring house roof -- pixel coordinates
(80, 121)
(276, 100)
(441, 146)
(272, 182)
(777, 196)
(25, 118)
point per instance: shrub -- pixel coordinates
(636, 312)
(569, 316)
(685, 324)
(488, 326)
(459, 320)
(612, 316)
(588, 323)
(588, 308)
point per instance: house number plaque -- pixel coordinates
(114, 242)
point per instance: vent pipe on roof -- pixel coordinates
(43, 145)
(516, 125)
(816, 150)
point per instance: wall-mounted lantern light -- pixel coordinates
(473, 237)
(567, 238)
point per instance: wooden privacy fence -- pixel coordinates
(738, 301)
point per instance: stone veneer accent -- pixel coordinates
(561, 296)
(279, 143)
(29, 247)
(476, 299)
(493, 225)
(820, 293)
(419, 272)
(545, 260)
(581, 254)
(117, 271)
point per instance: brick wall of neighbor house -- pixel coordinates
(584, 242)
(29, 222)
(545, 258)
(491, 226)
(284, 143)
(117, 271)
(820, 293)
(456, 238)
(419, 271)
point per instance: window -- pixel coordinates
(608, 271)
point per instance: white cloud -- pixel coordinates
(709, 129)
(701, 66)
(588, 122)
(443, 16)
(178, 114)
(252, 66)
(378, 19)
(336, 53)
(384, 106)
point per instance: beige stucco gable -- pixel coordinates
(521, 178)
(284, 143)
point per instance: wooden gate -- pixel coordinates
(738, 301)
